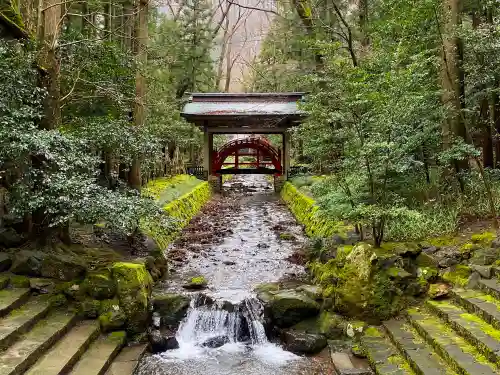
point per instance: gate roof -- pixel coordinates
(235, 111)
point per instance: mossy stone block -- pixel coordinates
(134, 285)
(99, 285)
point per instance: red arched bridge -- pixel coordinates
(262, 157)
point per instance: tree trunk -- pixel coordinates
(50, 62)
(452, 78)
(140, 85)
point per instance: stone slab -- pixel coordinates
(26, 351)
(460, 355)
(383, 357)
(484, 336)
(415, 350)
(65, 353)
(126, 362)
(11, 299)
(481, 304)
(21, 320)
(490, 286)
(100, 354)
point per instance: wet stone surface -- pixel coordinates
(235, 244)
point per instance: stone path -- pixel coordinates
(37, 339)
(460, 335)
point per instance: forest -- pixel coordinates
(402, 101)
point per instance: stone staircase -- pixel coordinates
(38, 339)
(460, 335)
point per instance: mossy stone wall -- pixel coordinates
(182, 210)
(307, 212)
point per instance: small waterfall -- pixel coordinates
(215, 323)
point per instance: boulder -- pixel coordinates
(473, 280)
(485, 257)
(483, 271)
(10, 238)
(328, 324)
(215, 342)
(196, 283)
(41, 286)
(5, 262)
(303, 343)
(457, 275)
(27, 262)
(425, 260)
(112, 320)
(19, 281)
(171, 308)
(89, 308)
(289, 307)
(4, 281)
(437, 291)
(134, 286)
(161, 342)
(99, 285)
(313, 291)
(62, 267)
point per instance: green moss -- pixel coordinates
(485, 327)
(198, 280)
(287, 236)
(58, 300)
(4, 281)
(443, 241)
(119, 335)
(316, 222)
(484, 238)
(468, 248)
(19, 281)
(134, 286)
(372, 332)
(181, 210)
(112, 320)
(267, 287)
(458, 275)
(99, 285)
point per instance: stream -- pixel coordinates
(235, 244)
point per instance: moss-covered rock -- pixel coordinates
(196, 283)
(425, 260)
(289, 307)
(171, 308)
(62, 267)
(5, 261)
(27, 263)
(267, 287)
(4, 281)
(438, 291)
(485, 256)
(58, 300)
(19, 281)
(457, 275)
(329, 324)
(112, 320)
(108, 305)
(133, 289)
(99, 285)
(484, 239)
(367, 282)
(89, 308)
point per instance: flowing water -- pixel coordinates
(235, 245)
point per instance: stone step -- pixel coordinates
(421, 357)
(491, 287)
(67, 351)
(475, 330)
(97, 359)
(383, 357)
(11, 299)
(126, 362)
(480, 304)
(460, 355)
(26, 351)
(19, 321)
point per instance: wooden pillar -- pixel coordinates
(236, 157)
(258, 159)
(207, 152)
(286, 154)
